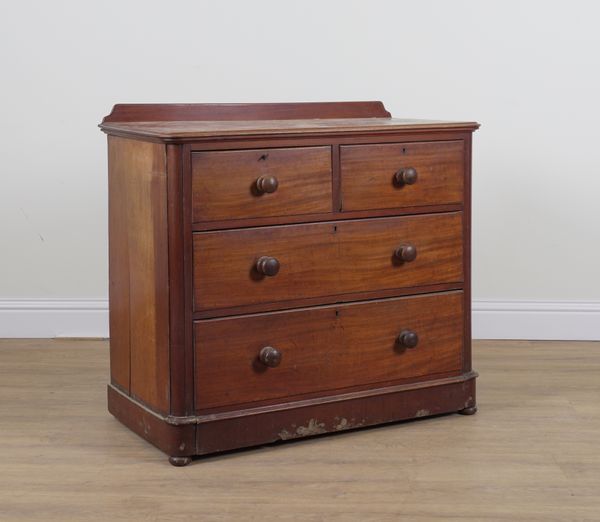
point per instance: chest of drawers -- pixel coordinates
(280, 271)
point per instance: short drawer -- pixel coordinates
(402, 175)
(260, 183)
(276, 355)
(325, 259)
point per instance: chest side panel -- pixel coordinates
(138, 270)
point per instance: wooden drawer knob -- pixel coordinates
(406, 176)
(270, 356)
(408, 339)
(268, 266)
(406, 253)
(266, 184)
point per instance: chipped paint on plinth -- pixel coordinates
(345, 424)
(422, 413)
(342, 424)
(285, 435)
(313, 427)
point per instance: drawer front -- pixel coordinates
(327, 348)
(325, 259)
(380, 176)
(260, 183)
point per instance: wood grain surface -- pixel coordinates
(194, 130)
(118, 265)
(244, 111)
(138, 270)
(325, 259)
(367, 173)
(326, 348)
(224, 183)
(530, 454)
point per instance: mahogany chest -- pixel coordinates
(285, 270)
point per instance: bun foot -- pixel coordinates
(468, 411)
(180, 461)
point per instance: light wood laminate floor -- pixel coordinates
(531, 453)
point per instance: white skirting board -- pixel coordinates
(536, 320)
(544, 320)
(47, 318)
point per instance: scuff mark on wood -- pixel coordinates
(146, 427)
(345, 424)
(285, 435)
(342, 424)
(422, 413)
(312, 428)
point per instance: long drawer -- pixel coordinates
(325, 259)
(282, 354)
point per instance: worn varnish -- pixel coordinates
(189, 131)
(280, 271)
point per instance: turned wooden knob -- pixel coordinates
(406, 176)
(408, 339)
(270, 356)
(406, 253)
(266, 184)
(268, 266)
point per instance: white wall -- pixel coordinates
(528, 71)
